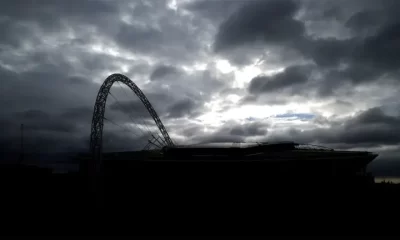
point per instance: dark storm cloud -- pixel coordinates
(362, 22)
(366, 58)
(295, 83)
(382, 49)
(327, 52)
(369, 54)
(38, 89)
(375, 116)
(290, 77)
(243, 25)
(38, 99)
(42, 132)
(37, 120)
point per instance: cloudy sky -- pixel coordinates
(312, 71)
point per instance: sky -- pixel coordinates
(322, 72)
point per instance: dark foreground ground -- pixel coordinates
(195, 199)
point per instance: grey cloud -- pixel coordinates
(183, 108)
(214, 138)
(232, 131)
(133, 108)
(78, 80)
(198, 86)
(336, 106)
(162, 33)
(163, 71)
(192, 131)
(268, 21)
(152, 29)
(369, 128)
(39, 88)
(123, 140)
(78, 114)
(269, 99)
(254, 129)
(14, 33)
(26, 20)
(185, 96)
(51, 13)
(248, 99)
(216, 11)
(139, 37)
(184, 129)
